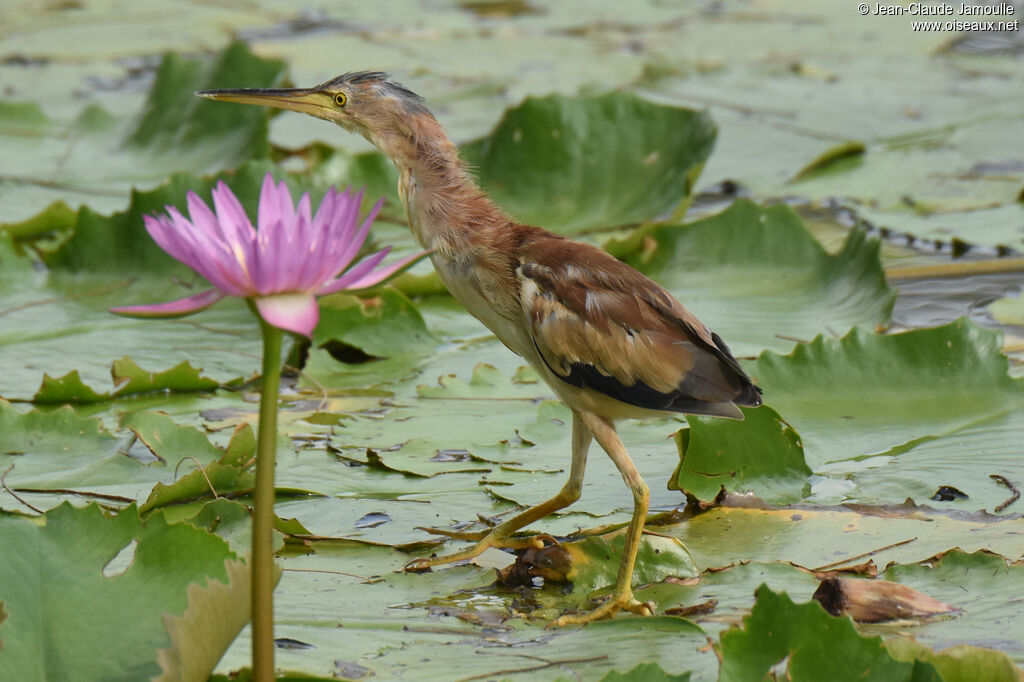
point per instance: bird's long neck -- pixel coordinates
(447, 210)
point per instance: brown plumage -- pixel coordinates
(608, 341)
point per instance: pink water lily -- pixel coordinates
(283, 266)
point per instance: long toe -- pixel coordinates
(493, 538)
(611, 606)
(469, 535)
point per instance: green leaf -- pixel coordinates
(381, 325)
(571, 164)
(55, 219)
(174, 118)
(890, 416)
(66, 389)
(60, 430)
(757, 277)
(229, 475)
(57, 453)
(129, 378)
(216, 613)
(987, 589)
(98, 158)
(895, 533)
(961, 663)
(645, 672)
(762, 454)
(68, 588)
(818, 646)
(58, 449)
(168, 440)
(837, 158)
(595, 560)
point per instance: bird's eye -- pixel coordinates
(341, 99)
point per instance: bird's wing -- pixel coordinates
(599, 324)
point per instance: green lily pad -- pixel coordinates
(573, 164)
(777, 628)
(1009, 310)
(645, 672)
(814, 538)
(57, 454)
(834, 159)
(959, 663)
(866, 403)
(384, 324)
(595, 560)
(128, 379)
(231, 474)
(984, 586)
(67, 590)
(757, 277)
(87, 163)
(762, 453)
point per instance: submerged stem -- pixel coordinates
(262, 556)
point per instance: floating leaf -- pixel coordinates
(757, 277)
(810, 638)
(216, 613)
(895, 413)
(841, 536)
(984, 586)
(595, 560)
(66, 389)
(129, 378)
(961, 663)
(837, 158)
(62, 607)
(575, 163)
(94, 162)
(645, 672)
(168, 440)
(228, 475)
(383, 324)
(762, 454)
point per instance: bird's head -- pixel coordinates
(367, 103)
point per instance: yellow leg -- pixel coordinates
(501, 535)
(622, 593)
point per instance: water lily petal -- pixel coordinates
(351, 248)
(164, 233)
(372, 278)
(267, 208)
(285, 205)
(295, 312)
(235, 229)
(205, 255)
(183, 306)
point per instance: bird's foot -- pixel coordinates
(484, 540)
(623, 601)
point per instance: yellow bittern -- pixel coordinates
(608, 341)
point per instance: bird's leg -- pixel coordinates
(501, 535)
(621, 596)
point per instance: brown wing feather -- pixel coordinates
(599, 324)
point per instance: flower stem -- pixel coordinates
(262, 556)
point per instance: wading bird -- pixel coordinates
(608, 341)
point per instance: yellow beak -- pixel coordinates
(308, 101)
